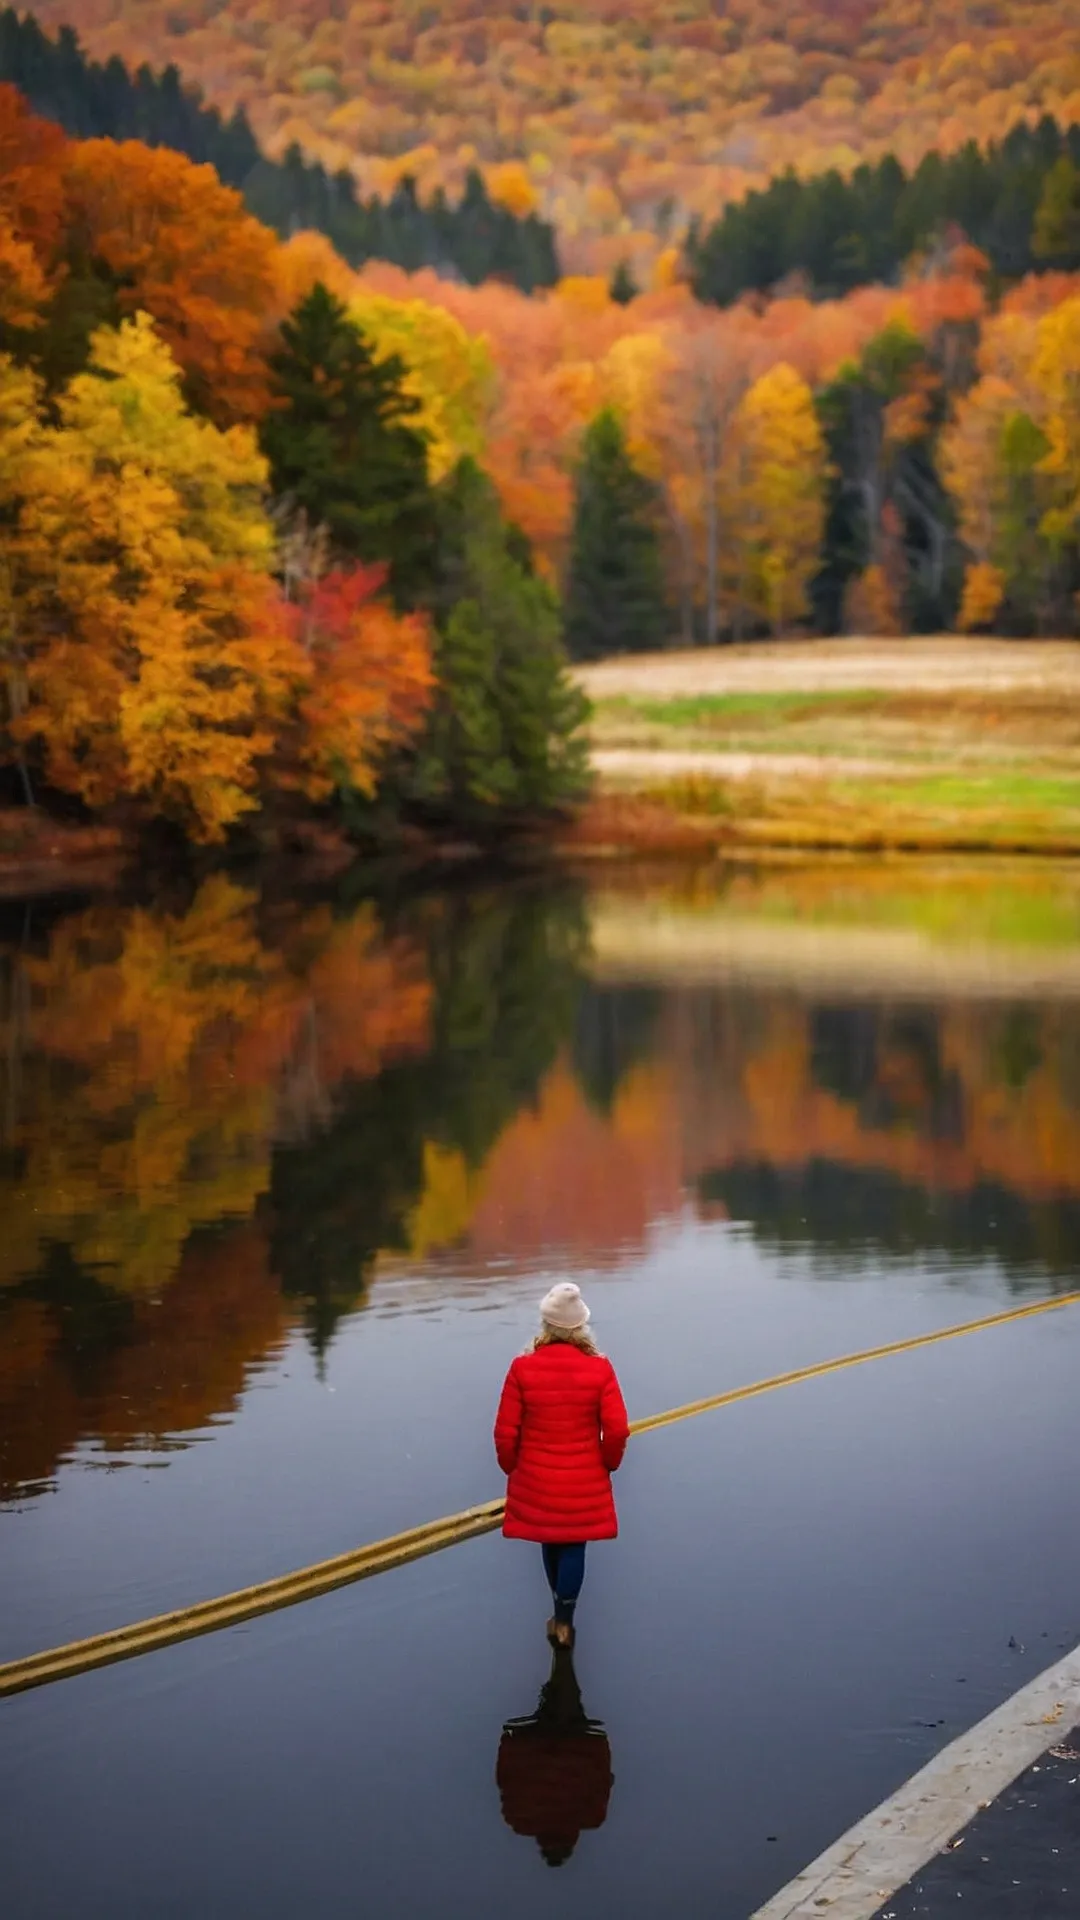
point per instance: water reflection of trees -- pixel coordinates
(505, 972)
(910, 1129)
(218, 1118)
(853, 1215)
(211, 1121)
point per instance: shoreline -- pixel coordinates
(737, 821)
(93, 860)
(42, 854)
(621, 825)
(891, 1844)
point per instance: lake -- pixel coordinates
(282, 1180)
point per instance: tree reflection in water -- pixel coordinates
(223, 1118)
(213, 1119)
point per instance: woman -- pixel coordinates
(560, 1434)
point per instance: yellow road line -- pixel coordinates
(209, 1616)
(820, 1367)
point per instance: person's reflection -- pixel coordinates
(554, 1767)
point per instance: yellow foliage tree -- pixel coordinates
(159, 654)
(984, 591)
(971, 465)
(511, 186)
(447, 370)
(774, 497)
(1057, 375)
(20, 433)
(631, 375)
(976, 473)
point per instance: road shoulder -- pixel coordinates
(885, 1851)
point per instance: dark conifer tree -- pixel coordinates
(615, 583)
(342, 446)
(839, 232)
(1057, 219)
(504, 738)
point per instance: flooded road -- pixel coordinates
(281, 1183)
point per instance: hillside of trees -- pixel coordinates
(472, 237)
(618, 124)
(282, 538)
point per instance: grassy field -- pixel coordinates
(899, 728)
(910, 744)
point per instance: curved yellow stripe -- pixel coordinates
(208, 1616)
(845, 1360)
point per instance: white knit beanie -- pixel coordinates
(563, 1309)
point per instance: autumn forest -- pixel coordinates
(315, 472)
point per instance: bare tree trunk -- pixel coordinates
(18, 692)
(712, 535)
(738, 612)
(706, 382)
(684, 549)
(18, 701)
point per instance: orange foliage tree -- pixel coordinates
(369, 681)
(181, 247)
(33, 209)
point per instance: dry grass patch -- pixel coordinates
(899, 729)
(1021, 812)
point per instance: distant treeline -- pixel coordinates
(474, 240)
(1018, 201)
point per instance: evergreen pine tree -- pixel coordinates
(341, 446)
(615, 584)
(505, 732)
(622, 286)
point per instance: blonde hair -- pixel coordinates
(579, 1337)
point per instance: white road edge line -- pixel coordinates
(882, 1852)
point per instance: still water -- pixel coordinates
(282, 1181)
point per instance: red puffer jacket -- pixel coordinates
(560, 1433)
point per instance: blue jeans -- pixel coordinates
(565, 1569)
